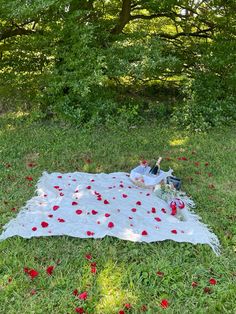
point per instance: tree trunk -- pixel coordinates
(124, 17)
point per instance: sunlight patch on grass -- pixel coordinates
(113, 295)
(178, 142)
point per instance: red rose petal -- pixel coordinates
(124, 195)
(121, 312)
(160, 274)
(88, 256)
(94, 212)
(59, 177)
(110, 224)
(31, 272)
(74, 203)
(88, 187)
(207, 290)
(44, 224)
(49, 270)
(164, 303)
(174, 231)
(34, 228)
(194, 284)
(107, 215)
(55, 207)
(138, 203)
(75, 292)
(144, 233)
(157, 219)
(144, 308)
(163, 210)
(133, 210)
(61, 220)
(93, 270)
(212, 281)
(106, 202)
(83, 295)
(90, 233)
(79, 211)
(153, 210)
(29, 178)
(127, 306)
(50, 216)
(79, 310)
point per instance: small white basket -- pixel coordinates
(141, 177)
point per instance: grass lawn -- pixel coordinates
(126, 271)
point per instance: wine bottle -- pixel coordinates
(156, 168)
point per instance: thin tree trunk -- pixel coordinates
(124, 17)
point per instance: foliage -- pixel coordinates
(76, 58)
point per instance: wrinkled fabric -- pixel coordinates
(89, 205)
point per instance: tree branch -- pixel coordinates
(9, 32)
(201, 33)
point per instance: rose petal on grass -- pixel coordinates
(212, 281)
(164, 303)
(83, 295)
(31, 272)
(160, 274)
(29, 178)
(144, 308)
(127, 306)
(79, 310)
(75, 292)
(49, 270)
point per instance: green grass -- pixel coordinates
(126, 271)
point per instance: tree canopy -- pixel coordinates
(91, 60)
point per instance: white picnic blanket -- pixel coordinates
(89, 205)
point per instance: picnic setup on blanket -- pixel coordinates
(145, 205)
